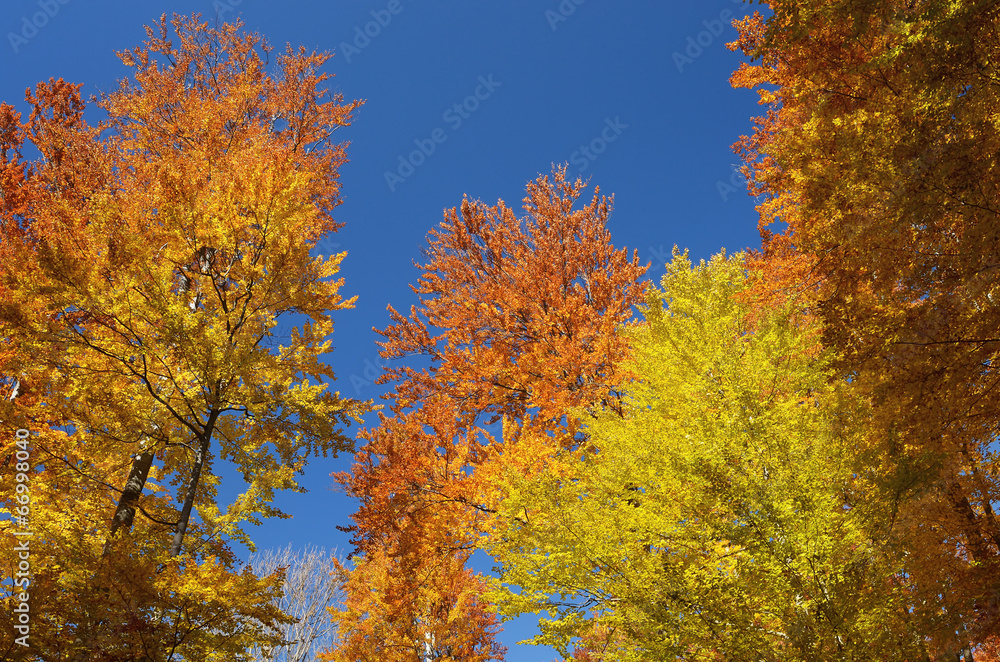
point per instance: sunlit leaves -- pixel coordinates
(519, 320)
(152, 266)
(712, 520)
(878, 156)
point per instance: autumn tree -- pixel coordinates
(154, 266)
(518, 320)
(878, 154)
(720, 515)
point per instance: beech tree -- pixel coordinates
(878, 155)
(146, 263)
(518, 320)
(722, 516)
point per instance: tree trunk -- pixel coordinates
(972, 524)
(125, 512)
(192, 489)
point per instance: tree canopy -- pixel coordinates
(779, 454)
(147, 262)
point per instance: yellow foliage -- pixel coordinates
(719, 516)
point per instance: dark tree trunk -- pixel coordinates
(125, 512)
(192, 488)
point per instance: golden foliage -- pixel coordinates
(146, 264)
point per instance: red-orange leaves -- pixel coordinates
(520, 318)
(519, 315)
(520, 321)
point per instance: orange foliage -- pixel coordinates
(878, 154)
(144, 263)
(519, 320)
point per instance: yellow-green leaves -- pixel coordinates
(712, 519)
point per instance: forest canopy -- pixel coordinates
(780, 453)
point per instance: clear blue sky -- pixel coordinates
(645, 84)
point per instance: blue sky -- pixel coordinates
(633, 95)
